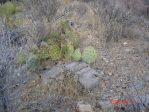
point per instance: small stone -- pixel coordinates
(125, 44)
(105, 105)
(84, 108)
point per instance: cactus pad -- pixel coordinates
(76, 56)
(55, 52)
(89, 55)
(8, 9)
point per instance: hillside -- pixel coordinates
(74, 56)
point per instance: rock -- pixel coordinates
(146, 77)
(125, 44)
(52, 73)
(89, 80)
(83, 71)
(76, 66)
(84, 108)
(137, 85)
(87, 76)
(105, 105)
(71, 66)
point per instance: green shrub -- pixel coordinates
(89, 55)
(33, 62)
(76, 56)
(21, 59)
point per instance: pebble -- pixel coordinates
(84, 108)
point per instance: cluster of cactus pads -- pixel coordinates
(59, 46)
(10, 8)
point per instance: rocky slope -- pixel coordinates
(117, 30)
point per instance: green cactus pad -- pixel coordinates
(8, 9)
(55, 52)
(89, 55)
(68, 51)
(65, 27)
(73, 37)
(76, 56)
(42, 53)
(55, 35)
(33, 62)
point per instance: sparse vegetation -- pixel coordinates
(33, 62)
(21, 58)
(53, 33)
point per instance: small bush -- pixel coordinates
(21, 59)
(33, 62)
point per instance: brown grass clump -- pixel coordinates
(67, 86)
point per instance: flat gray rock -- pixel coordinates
(72, 65)
(88, 80)
(88, 77)
(52, 73)
(84, 70)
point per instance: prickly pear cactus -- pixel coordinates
(89, 55)
(8, 9)
(73, 37)
(33, 62)
(65, 27)
(42, 53)
(76, 56)
(68, 51)
(55, 52)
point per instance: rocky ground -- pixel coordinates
(121, 71)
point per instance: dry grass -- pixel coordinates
(67, 86)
